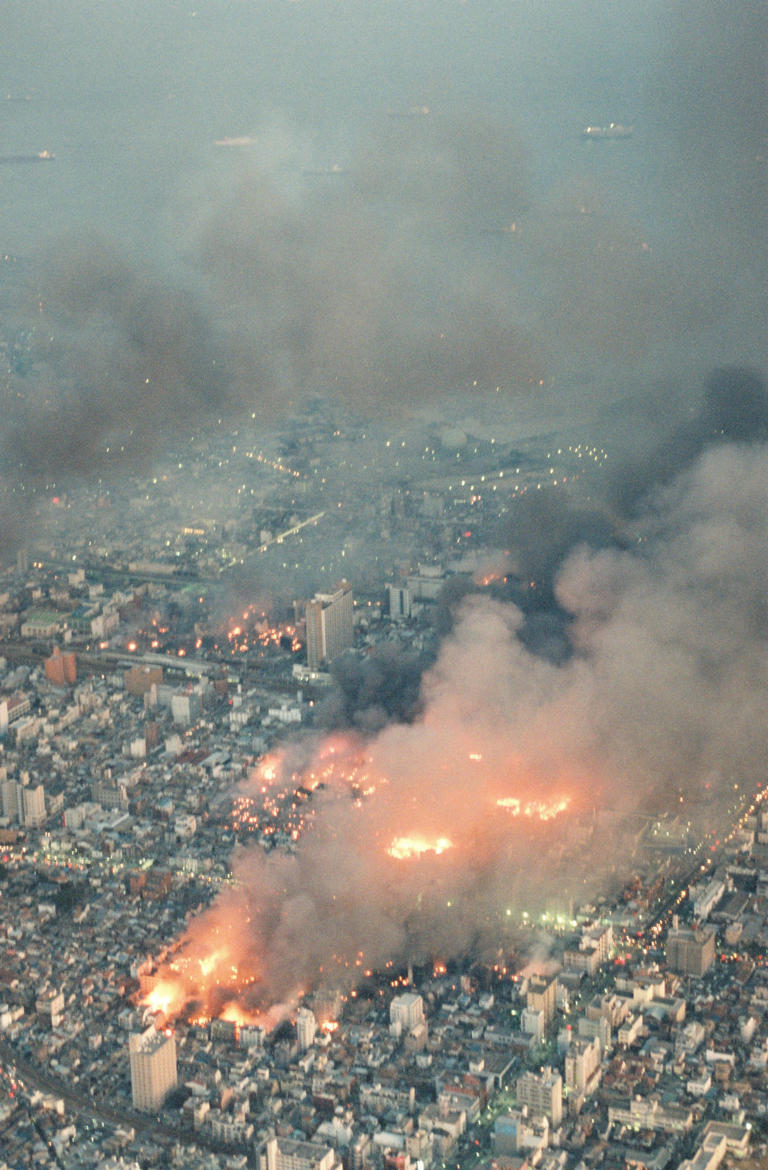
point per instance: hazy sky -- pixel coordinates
(648, 252)
(412, 218)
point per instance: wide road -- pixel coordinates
(698, 871)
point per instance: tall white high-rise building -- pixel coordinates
(23, 804)
(330, 622)
(153, 1068)
(407, 1011)
(306, 1026)
(542, 1092)
(582, 1060)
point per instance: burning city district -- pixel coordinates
(386, 867)
(522, 786)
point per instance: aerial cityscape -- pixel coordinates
(383, 606)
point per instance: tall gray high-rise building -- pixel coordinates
(691, 952)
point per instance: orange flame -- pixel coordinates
(543, 809)
(403, 848)
(167, 996)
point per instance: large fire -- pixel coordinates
(204, 986)
(340, 762)
(167, 996)
(303, 901)
(252, 630)
(403, 848)
(545, 810)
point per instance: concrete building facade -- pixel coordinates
(330, 625)
(542, 1093)
(153, 1068)
(691, 952)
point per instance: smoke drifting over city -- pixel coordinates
(453, 249)
(420, 254)
(660, 708)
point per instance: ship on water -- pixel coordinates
(237, 140)
(40, 156)
(612, 130)
(411, 112)
(334, 169)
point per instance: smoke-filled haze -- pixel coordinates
(406, 212)
(661, 708)
(393, 206)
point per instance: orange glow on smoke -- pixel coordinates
(235, 1014)
(224, 968)
(341, 763)
(403, 848)
(545, 810)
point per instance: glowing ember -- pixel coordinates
(268, 771)
(403, 848)
(209, 964)
(545, 810)
(252, 632)
(489, 578)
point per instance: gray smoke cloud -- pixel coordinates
(374, 691)
(120, 364)
(732, 406)
(393, 245)
(544, 528)
(369, 288)
(123, 360)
